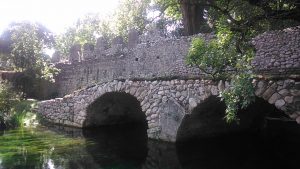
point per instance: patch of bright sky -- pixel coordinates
(56, 15)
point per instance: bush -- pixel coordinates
(13, 111)
(239, 96)
(7, 97)
(220, 58)
(20, 112)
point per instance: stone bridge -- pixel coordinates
(172, 108)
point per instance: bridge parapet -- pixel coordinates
(152, 56)
(278, 52)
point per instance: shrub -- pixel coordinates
(7, 99)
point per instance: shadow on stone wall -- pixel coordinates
(114, 108)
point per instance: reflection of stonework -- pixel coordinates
(161, 155)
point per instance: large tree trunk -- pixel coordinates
(192, 14)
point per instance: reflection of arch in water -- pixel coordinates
(105, 147)
(114, 108)
(207, 119)
(115, 146)
(235, 151)
(161, 155)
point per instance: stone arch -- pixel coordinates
(138, 90)
(207, 119)
(283, 94)
(204, 120)
(113, 108)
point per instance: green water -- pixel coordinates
(127, 147)
(62, 148)
(37, 148)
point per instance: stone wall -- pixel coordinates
(166, 103)
(151, 56)
(278, 52)
(164, 58)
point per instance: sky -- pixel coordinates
(56, 15)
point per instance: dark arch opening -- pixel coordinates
(117, 125)
(207, 119)
(115, 108)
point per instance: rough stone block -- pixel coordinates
(192, 103)
(270, 91)
(298, 119)
(221, 85)
(289, 99)
(283, 92)
(293, 115)
(279, 103)
(274, 98)
(261, 87)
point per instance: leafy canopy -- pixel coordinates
(27, 50)
(24, 44)
(86, 30)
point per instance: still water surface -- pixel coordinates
(128, 148)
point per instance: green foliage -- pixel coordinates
(13, 111)
(131, 14)
(21, 111)
(171, 8)
(211, 57)
(238, 96)
(65, 41)
(86, 30)
(220, 59)
(27, 49)
(27, 44)
(7, 100)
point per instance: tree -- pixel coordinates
(131, 14)
(199, 15)
(27, 42)
(6, 102)
(86, 30)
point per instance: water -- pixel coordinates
(127, 147)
